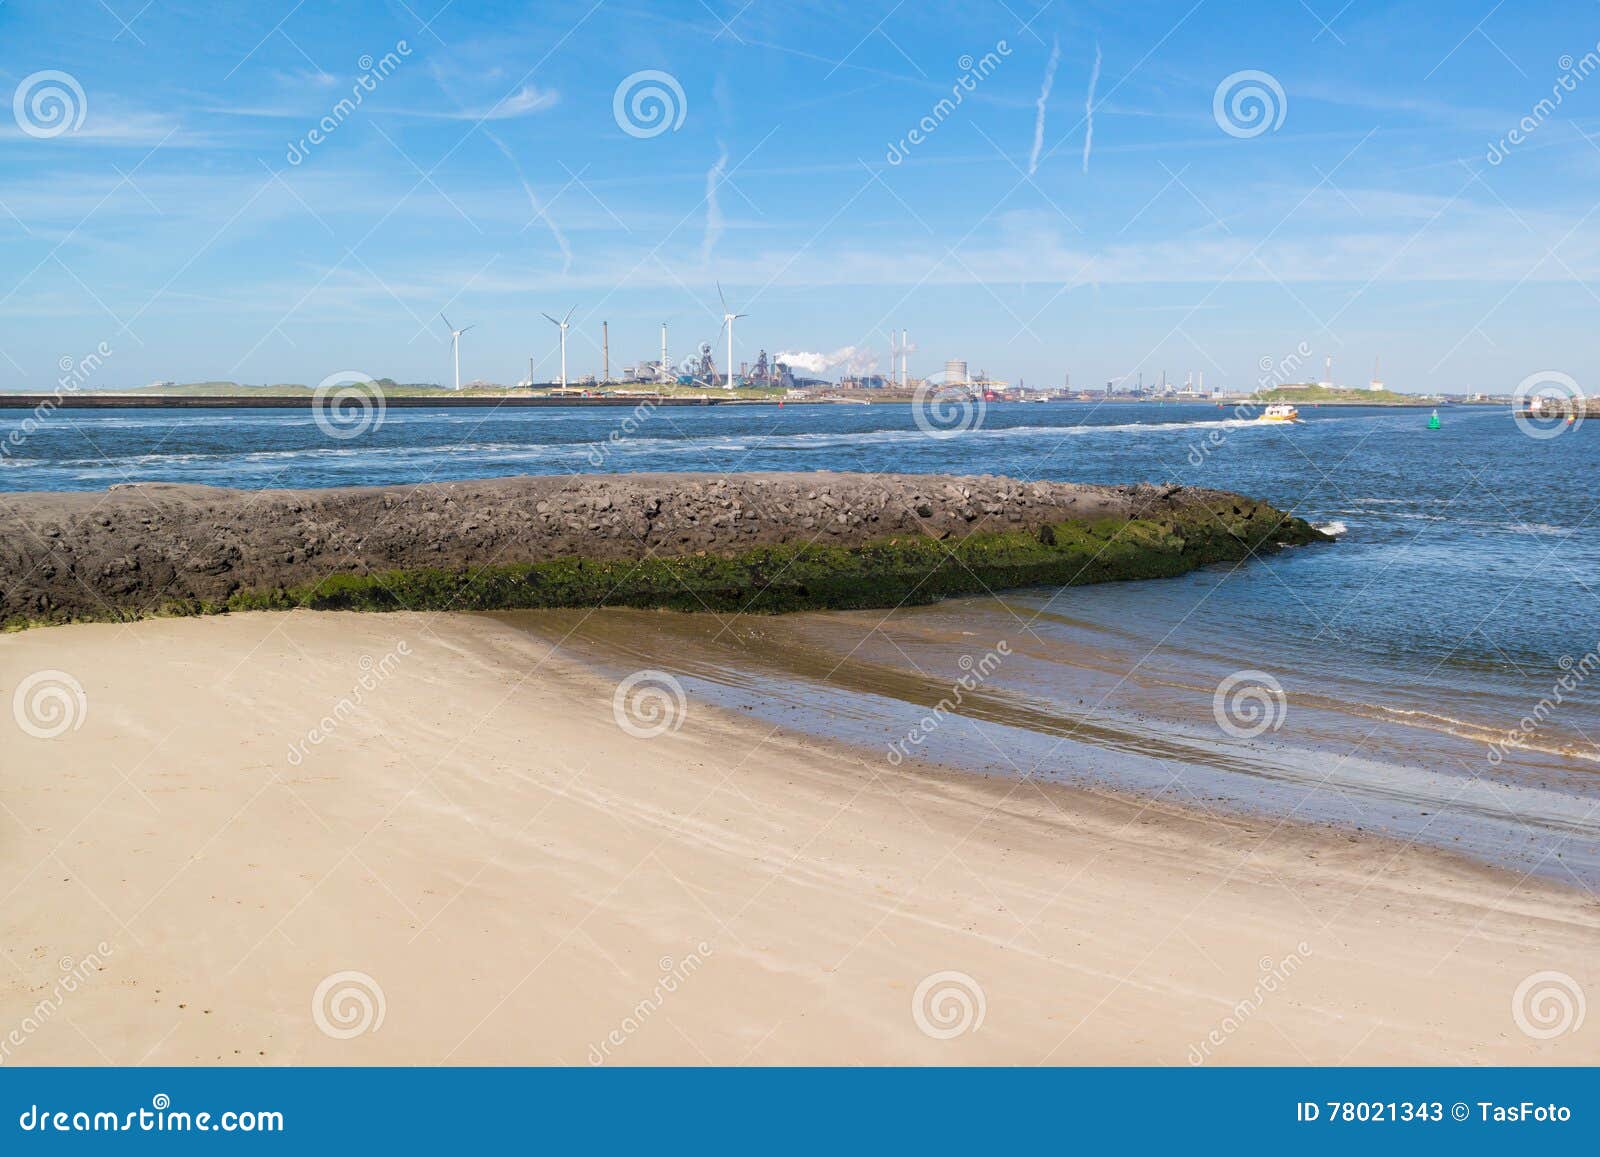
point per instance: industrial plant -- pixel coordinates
(714, 365)
(714, 370)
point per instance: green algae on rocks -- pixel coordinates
(887, 573)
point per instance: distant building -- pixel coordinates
(955, 372)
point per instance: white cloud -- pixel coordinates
(525, 101)
(118, 129)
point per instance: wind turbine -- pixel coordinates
(562, 326)
(455, 345)
(727, 323)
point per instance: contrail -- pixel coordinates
(1088, 109)
(713, 206)
(522, 101)
(535, 204)
(1044, 97)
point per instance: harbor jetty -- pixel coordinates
(759, 542)
(1548, 408)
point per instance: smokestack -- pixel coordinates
(663, 371)
(605, 352)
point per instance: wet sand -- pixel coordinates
(333, 838)
(1089, 688)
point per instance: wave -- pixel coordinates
(1474, 732)
(711, 442)
(1508, 525)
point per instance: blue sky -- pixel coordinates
(189, 222)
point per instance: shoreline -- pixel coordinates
(309, 401)
(601, 669)
(448, 399)
(478, 836)
(971, 686)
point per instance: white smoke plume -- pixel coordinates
(851, 359)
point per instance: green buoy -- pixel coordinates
(1433, 421)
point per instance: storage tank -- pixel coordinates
(955, 372)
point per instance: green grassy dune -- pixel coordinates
(1308, 394)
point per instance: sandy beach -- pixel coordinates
(326, 838)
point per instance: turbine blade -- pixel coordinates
(446, 321)
(568, 318)
(474, 325)
(722, 299)
(548, 318)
